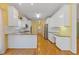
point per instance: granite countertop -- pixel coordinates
(62, 31)
(60, 35)
(21, 33)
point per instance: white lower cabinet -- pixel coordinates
(22, 41)
(51, 37)
(63, 43)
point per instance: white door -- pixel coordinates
(2, 45)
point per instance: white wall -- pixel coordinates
(26, 21)
(2, 44)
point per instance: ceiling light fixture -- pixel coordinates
(61, 16)
(20, 3)
(38, 15)
(31, 4)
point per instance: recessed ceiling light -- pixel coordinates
(38, 15)
(31, 4)
(61, 16)
(20, 3)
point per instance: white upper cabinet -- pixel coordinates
(13, 16)
(60, 18)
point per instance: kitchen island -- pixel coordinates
(22, 40)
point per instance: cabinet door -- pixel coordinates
(13, 20)
(22, 41)
(63, 43)
(60, 18)
(66, 15)
(51, 37)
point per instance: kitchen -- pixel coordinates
(22, 31)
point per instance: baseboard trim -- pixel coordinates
(55, 45)
(21, 48)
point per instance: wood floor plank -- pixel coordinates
(21, 51)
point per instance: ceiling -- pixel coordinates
(37, 10)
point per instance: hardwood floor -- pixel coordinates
(44, 47)
(27, 51)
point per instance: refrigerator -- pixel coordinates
(2, 39)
